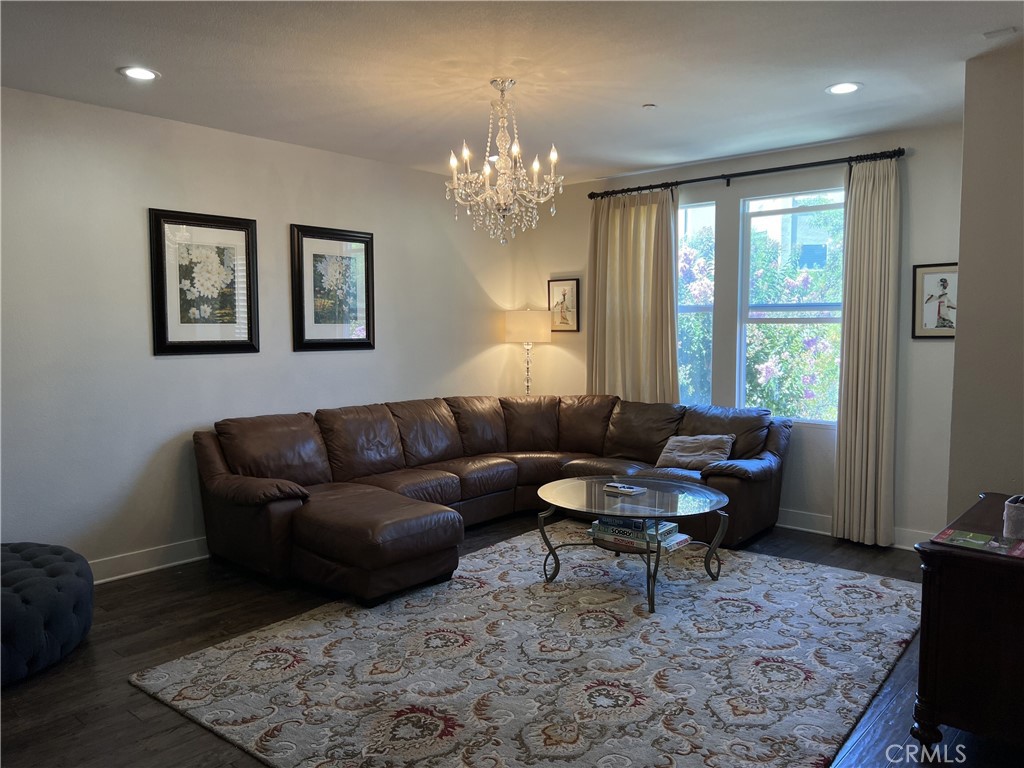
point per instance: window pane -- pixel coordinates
(793, 369)
(694, 356)
(796, 258)
(793, 303)
(697, 255)
(754, 205)
(696, 298)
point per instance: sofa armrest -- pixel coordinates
(761, 467)
(253, 491)
(750, 507)
(247, 519)
(221, 482)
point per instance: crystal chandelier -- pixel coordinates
(509, 204)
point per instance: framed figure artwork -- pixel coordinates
(934, 304)
(564, 303)
(203, 270)
(332, 289)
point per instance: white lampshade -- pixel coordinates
(527, 325)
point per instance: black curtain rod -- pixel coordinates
(728, 177)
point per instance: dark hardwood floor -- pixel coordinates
(83, 713)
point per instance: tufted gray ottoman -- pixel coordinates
(47, 606)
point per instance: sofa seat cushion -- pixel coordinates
(672, 473)
(371, 528)
(599, 465)
(479, 475)
(539, 467)
(430, 485)
(342, 492)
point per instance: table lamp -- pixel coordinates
(529, 327)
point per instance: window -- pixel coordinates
(696, 300)
(791, 304)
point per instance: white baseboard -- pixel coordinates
(145, 560)
(813, 522)
(906, 538)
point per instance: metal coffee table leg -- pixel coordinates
(547, 542)
(723, 523)
(652, 572)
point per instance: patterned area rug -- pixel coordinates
(770, 666)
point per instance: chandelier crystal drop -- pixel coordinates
(502, 198)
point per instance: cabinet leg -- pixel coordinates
(923, 730)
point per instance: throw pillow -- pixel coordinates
(695, 451)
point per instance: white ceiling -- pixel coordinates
(405, 82)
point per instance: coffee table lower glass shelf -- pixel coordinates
(661, 500)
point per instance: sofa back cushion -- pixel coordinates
(361, 440)
(531, 423)
(286, 446)
(750, 425)
(481, 424)
(428, 429)
(583, 422)
(640, 430)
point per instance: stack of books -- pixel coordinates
(632, 536)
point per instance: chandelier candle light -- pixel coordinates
(510, 203)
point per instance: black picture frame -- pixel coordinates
(204, 284)
(934, 302)
(564, 304)
(332, 289)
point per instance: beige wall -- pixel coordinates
(96, 430)
(987, 445)
(930, 176)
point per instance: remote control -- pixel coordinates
(627, 490)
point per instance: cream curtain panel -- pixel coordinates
(865, 442)
(631, 306)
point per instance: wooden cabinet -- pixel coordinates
(971, 673)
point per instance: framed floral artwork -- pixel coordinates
(332, 289)
(934, 301)
(564, 303)
(204, 283)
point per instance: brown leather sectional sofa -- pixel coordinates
(371, 499)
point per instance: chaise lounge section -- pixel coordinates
(369, 500)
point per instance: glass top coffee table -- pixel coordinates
(661, 500)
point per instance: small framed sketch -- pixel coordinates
(204, 283)
(934, 301)
(332, 289)
(564, 303)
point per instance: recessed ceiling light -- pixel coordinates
(139, 73)
(841, 88)
(648, 106)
